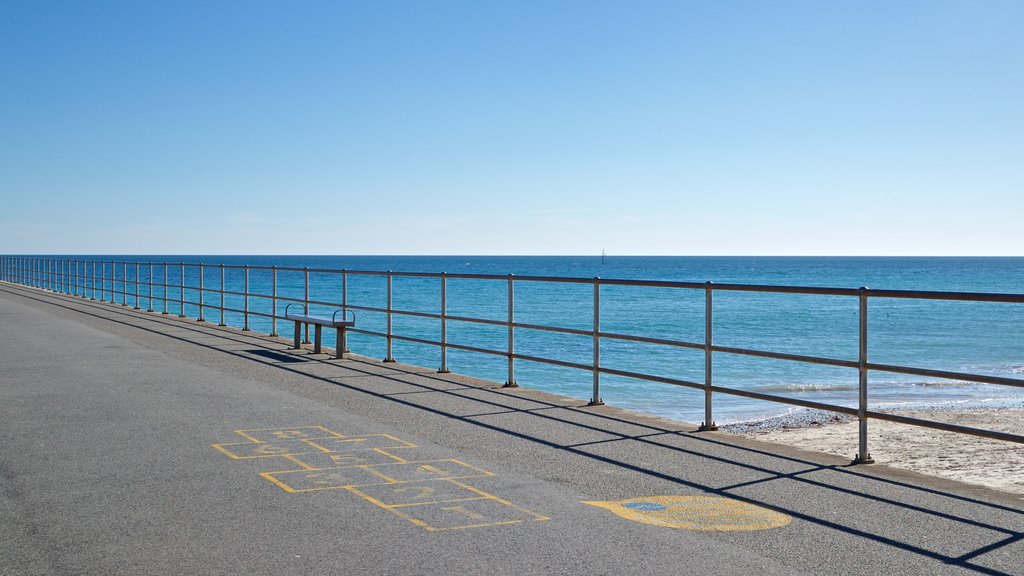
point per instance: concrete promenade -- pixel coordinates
(139, 443)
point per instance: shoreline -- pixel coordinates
(991, 463)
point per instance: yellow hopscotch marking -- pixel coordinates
(333, 460)
(423, 492)
(246, 450)
(357, 443)
(297, 433)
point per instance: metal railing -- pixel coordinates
(98, 280)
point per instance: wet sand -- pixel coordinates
(993, 463)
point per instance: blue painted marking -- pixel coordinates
(646, 506)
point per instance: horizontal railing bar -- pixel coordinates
(448, 344)
(468, 348)
(555, 329)
(785, 356)
(414, 340)
(993, 434)
(780, 289)
(787, 400)
(417, 315)
(367, 308)
(651, 377)
(1016, 382)
(957, 296)
(731, 391)
(543, 360)
(471, 320)
(649, 340)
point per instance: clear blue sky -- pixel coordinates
(526, 127)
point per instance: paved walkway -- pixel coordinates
(137, 443)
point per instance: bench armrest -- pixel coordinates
(344, 314)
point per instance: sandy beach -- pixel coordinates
(991, 463)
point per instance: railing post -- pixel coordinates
(113, 282)
(222, 296)
(181, 289)
(93, 295)
(273, 301)
(79, 285)
(862, 368)
(124, 283)
(245, 294)
(201, 319)
(103, 281)
(708, 425)
(444, 325)
(389, 357)
(305, 302)
(149, 298)
(165, 288)
(595, 398)
(344, 306)
(511, 382)
(137, 307)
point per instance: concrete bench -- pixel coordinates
(318, 323)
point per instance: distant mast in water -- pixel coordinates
(602, 256)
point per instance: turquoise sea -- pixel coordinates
(982, 338)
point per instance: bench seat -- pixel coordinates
(318, 323)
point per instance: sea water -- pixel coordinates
(982, 338)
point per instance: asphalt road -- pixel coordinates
(139, 443)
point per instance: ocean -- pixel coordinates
(980, 338)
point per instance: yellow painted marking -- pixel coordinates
(422, 492)
(357, 443)
(328, 460)
(280, 484)
(469, 513)
(439, 491)
(244, 450)
(703, 513)
(329, 479)
(295, 432)
(331, 460)
(420, 470)
(397, 458)
(462, 510)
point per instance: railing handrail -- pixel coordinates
(79, 276)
